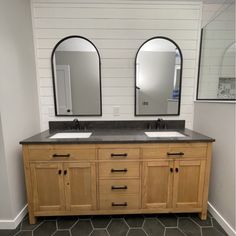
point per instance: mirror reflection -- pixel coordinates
(158, 78)
(217, 77)
(76, 77)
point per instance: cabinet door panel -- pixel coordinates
(188, 183)
(80, 182)
(48, 186)
(157, 184)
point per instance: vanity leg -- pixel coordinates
(32, 219)
(203, 215)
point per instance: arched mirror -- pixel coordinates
(158, 74)
(76, 77)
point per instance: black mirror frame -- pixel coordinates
(198, 76)
(53, 75)
(180, 83)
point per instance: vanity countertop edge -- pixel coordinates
(106, 136)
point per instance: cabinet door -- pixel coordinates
(48, 186)
(188, 183)
(157, 184)
(80, 186)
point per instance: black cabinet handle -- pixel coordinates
(119, 204)
(59, 172)
(175, 153)
(65, 172)
(119, 187)
(68, 110)
(176, 170)
(171, 170)
(60, 155)
(119, 154)
(119, 170)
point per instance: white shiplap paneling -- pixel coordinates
(117, 28)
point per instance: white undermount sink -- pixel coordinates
(72, 135)
(164, 134)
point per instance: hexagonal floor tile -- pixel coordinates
(24, 233)
(152, 227)
(82, 227)
(45, 229)
(200, 222)
(189, 227)
(25, 225)
(173, 232)
(117, 227)
(62, 233)
(169, 220)
(100, 221)
(134, 221)
(99, 232)
(66, 222)
(8, 232)
(136, 232)
(218, 227)
(211, 232)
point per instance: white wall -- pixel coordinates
(117, 28)
(18, 104)
(218, 120)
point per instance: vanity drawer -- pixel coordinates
(127, 186)
(176, 151)
(61, 154)
(118, 153)
(119, 202)
(119, 169)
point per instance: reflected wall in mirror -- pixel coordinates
(158, 75)
(76, 72)
(216, 77)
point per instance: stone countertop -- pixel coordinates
(107, 136)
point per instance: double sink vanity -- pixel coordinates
(116, 167)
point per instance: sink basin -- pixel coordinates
(164, 134)
(72, 135)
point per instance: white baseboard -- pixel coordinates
(224, 224)
(12, 224)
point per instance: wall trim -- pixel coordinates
(220, 219)
(12, 224)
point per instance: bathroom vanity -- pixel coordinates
(117, 171)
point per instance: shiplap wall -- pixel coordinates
(117, 28)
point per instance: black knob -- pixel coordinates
(176, 170)
(59, 172)
(65, 172)
(68, 110)
(171, 170)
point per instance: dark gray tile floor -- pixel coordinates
(129, 225)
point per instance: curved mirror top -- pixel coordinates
(76, 77)
(158, 78)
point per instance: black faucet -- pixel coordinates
(160, 124)
(76, 124)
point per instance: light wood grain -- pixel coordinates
(118, 154)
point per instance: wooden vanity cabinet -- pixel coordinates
(80, 179)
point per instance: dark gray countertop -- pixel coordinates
(115, 136)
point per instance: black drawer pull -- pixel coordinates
(61, 155)
(59, 172)
(65, 172)
(119, 204)
(119, 187)
(176, 170)
(171, 170)
(119, 154)
(175, 153)
(119, 170)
